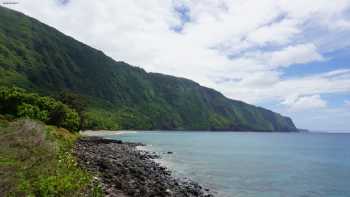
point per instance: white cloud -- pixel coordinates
(298, 54)
(276, 33)
(279, 89)
(321, 119)
(342, 24)
(347, 103)
(290, 55)
(239, 47)
(297, 103)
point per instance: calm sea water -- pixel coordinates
(256, 164)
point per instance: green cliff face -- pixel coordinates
(37, 57)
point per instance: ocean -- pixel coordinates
(250, 164)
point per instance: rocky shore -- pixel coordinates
(123, 170)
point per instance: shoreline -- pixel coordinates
(118, 132)
(100, 133)
(123, 170)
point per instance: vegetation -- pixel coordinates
(20, 103)
(36, 160)
(118, 96)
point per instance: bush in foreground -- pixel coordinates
(36, 160)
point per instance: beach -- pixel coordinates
(103, 132)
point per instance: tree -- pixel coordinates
(76, 102)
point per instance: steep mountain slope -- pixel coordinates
(38, 57)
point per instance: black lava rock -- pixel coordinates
(125, 171)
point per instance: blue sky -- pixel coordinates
(289, 56)
(337, 59)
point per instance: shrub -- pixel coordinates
(20, 103)
(37, 160)
(31, 111)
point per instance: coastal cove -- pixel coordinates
(254, 164)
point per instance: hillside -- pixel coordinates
(37, 57)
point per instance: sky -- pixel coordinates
(292, 57)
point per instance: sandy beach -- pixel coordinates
(103, 132)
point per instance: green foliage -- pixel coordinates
(101, 119)
(35, 56)
(30, 111)
(36, 160)
(20, 103)
(71, 119)
(76, 102)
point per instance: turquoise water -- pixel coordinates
(256, 164)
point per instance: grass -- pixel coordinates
(36, 160)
